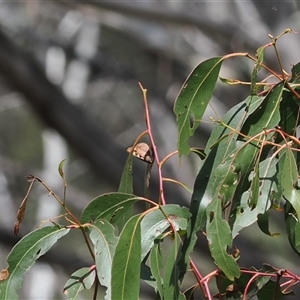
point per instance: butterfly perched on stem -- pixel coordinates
(143, 152)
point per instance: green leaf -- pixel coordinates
(289, 113)
(260, 57)
(126, 183)
(253, 102)
(260, 282)
(156, 266)
(262, 286)
(267, 115)
(227, 177)
(292, 227)
(193, 99)
(272, 290)
(155, 223)
(254, 187)
(217, 150)
(109, 206)
(289, 181)
(171, 273)
(61, 171)
(104, 241)
(219, 240)
(82, 279)
(268, 186)
(232, 289)
(24, 254)
(125, 278)
(126, 186)
(295, 74)
(215, 177)
(263, 224)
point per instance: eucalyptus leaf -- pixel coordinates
(245, 215)
(219, 240)
(24, 254)
(156, 265)
(104, 241)
(110, 206)
(155, 223)
(125, 276)
(193, 99)
(171, 286)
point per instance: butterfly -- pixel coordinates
(143, 152)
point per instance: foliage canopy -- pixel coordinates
(249, 166)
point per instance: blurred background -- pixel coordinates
(69, 74)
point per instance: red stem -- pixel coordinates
(149, 128)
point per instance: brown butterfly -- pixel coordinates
(143, 152)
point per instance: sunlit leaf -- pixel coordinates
(104, 241)
(193, 99)
(205, 181)
(125, 278)
(24, 254)
(246, 215)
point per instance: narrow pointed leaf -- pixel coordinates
(260, 57)
(193, 99)
(125, 278)
(289, 181)
(126, 183)
(104, 241)
(24, 254)
(254, 187)
(171, 273)
(205, 181)
(267, 115)
(156, 266)
(126, 186)
(219, 240)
